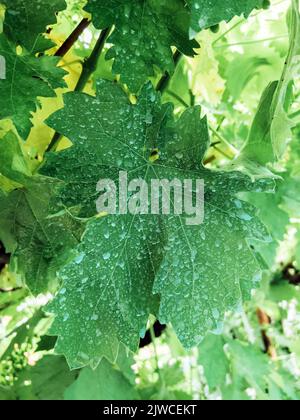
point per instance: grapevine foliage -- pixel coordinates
(144, 34)
(207, 14)
(139, 243)
(138, 87)
(26, 21)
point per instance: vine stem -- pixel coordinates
(70, 41)
(232, 149)
(88, 68)
(255, 41)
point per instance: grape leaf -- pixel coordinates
(274, 217)
(50, 377)
(26, 20)
(6, 394)
(205, 14)
(27, 77)
(282, 386)
(124, 362)
(39, 243)
(46, 381)
(249, 368)
(248, 67)
(121, 255)
(14, 165)
(144, 32)
(281, 128)
(258, 148)
(213, 360)
(271, 130)
(245, 364)
(104, 383)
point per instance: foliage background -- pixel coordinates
(257, 356)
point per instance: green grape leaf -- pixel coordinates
(275, 218)
(49, 378)
(6, 394)
(46, 381)
(123, 254)
(281, 128)
(258, 148)
(290, 190)
(23, 331)
(248, 67)
(271, 130)
(125, 361)
(281, 291)
(104, 280)
(104, 383)
(39, 242)
(143, 35)
(26, 20)
(245, 365)
(206, 13)
(249, 367)
(26, 78)
(282, 386)
(298, 250)
(214, 360)
(270, 212)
